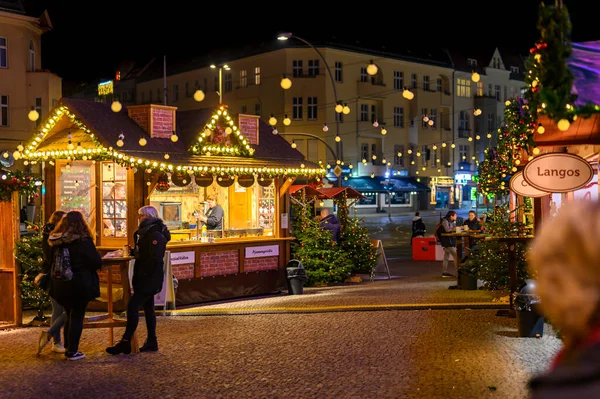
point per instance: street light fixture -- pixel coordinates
(345, 109)
(221, 67)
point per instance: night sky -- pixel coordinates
(90, 38)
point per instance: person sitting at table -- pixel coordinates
(474, 225)
(150, 239)
(448, 225)
(214, 216)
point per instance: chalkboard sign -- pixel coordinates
(74, 191)
(248, 125)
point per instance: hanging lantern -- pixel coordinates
(162, 184)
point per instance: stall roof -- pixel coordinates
(333, 192)
(585, 66)
(379, 184)
(106, 126)
(310, 191)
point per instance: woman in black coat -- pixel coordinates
(73, 234)
(150, 240)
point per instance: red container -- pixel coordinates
(423, 248)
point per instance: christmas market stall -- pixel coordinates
(108, 161)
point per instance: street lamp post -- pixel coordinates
(221, 67)
(289, 35)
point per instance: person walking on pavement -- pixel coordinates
(72, 242)
(448, 225)
(150, 240)
(58, 311)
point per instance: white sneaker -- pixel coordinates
(58, 348)
(43, 341)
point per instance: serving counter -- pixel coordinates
(227, 268)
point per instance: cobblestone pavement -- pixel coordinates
(375, 354)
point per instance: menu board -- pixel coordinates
(248, 125)
(74, 191)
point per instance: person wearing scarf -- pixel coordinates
(564, 259)
(73, 233)
(150, 240)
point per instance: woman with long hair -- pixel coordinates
(150, 240)
(58, 311)
(73, 234)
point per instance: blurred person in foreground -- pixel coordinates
(565, 256)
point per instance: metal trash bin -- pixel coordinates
(530, 323)
(296, 277)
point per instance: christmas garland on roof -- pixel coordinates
(11, 181)
(549, 79)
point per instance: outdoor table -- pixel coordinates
(512, 264)
(459, 241)
(108, 320)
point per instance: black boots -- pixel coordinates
(121, 347)
(151, 345)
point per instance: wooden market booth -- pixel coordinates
(109, 164)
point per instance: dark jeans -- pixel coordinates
(138, 301)
(74, 325)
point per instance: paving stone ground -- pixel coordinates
(360, 354)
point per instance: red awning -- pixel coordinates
(310, 191)
(334, 192)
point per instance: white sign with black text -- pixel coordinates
(182, 258)
(521, 187)
(263, 251)
(558, 172)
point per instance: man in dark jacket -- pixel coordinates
(448, 225)
(331, 223)
(150, 240)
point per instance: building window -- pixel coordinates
(313, 67)
(472, 62)
(399, 117)
(31, 56)
(463, 87)
(373, 113)
(311, 105)
(114, 200)
(3, 53)
(413, 81)
(364, 112)
(175, 93)
(505, 93)
(497, 92)
(463, 124)
(339, 76)
(463, 153)
(228, 82)
(373, 153)
(399, 155)
(426, 83)
(438, 84)
(398, 80)
(363, 75)
(433, 117)
(514, 69)
(187, 89)
(364, 151)
(244, 109)
(297, 108)
(490, 122)
(296, 68)
(257, 110)
(38, 108)
(424, 152)
(3, 110)
(257, 75)
(243, 78)
(480, 89)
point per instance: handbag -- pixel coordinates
(43, 281)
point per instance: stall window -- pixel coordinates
(74, 191)
(114, 200)
(248, 211)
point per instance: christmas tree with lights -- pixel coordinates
(28, 252)
(357, 245)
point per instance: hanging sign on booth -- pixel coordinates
(558, 172)
(521, 187)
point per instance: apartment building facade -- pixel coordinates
(483, 83)
(382, 137)
(24, 85)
